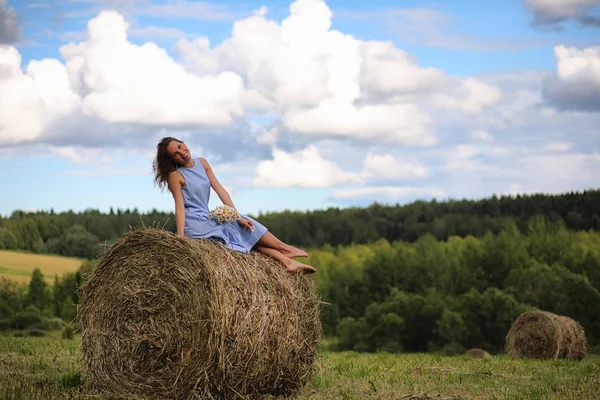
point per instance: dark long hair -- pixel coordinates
(163, 164)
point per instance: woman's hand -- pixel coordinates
(246, 224)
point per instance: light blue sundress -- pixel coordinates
(198, 224)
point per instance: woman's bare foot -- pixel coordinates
(296, 266)
(291, 252)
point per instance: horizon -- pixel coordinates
(298, 105)
(407, 204)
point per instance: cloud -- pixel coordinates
(125, 83)
(69, 153)
(558, 146)
(387, 71)
(462, 157)
(527, 165)
(576, 84)
(82, 155)
(551, 14)
(9, 24)
(470, 96)
(310, 168)
(386, 194)
(388, 167)
(32, 100)
(322, 82)
(481, 136)
(552, 173)
(304, 168)
(399, 123)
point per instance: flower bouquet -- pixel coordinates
(224, 214)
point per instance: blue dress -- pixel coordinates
(198, 224)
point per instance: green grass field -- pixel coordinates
(48, 368)
(19, 266)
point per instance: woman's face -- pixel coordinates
(179, 152)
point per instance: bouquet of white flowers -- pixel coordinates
(225, 214)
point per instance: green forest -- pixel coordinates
(427, 276)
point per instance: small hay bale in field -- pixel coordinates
(164, 317)
(478, 353)
(544, 335)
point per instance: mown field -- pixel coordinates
(48, 368)
(19, 266)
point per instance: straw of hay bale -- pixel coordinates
(478, 353)
(544, 335)
(164, 317)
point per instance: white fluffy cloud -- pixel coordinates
(309, 168)
(125, 83)
(398, 123)
(389, 71)
(322, 82)
(462, 157)
(388, 167)
(318, 82)
(304, 168)
(470, 96)
(576, 84)
(31, 101)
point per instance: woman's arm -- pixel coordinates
(216, 185)
(175, 182)
(222, 193)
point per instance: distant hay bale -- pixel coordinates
(478, 353)
(164, 317)
(544, 335)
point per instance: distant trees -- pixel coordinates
(37, 295)
(75, 241)
(456, 294)
(38, 305)
(83, 234)
(8, 241)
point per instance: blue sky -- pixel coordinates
(298, 105)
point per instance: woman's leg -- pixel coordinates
(290, 265)
(269, 240)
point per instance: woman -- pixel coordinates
(190, 180)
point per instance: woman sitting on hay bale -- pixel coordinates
(190, 180)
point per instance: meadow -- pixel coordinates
(19, 266)
(49, 368)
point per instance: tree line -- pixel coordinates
(40, 306)
(83, 234)
(452, 295)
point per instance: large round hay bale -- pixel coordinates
(544, 335)
(164, 317)
(478, 353)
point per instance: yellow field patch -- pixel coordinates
(23, 279)
(19, 266)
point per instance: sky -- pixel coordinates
(298, 105)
